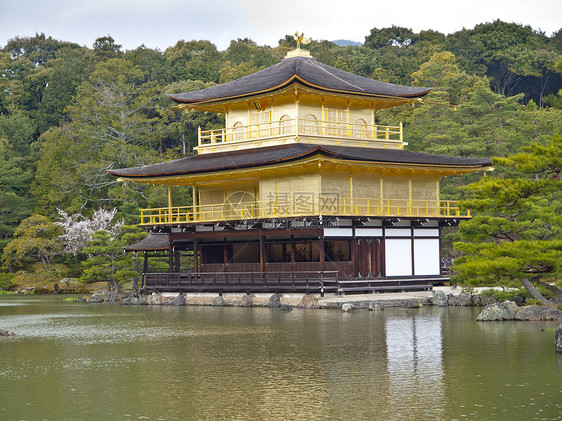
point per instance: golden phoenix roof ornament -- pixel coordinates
(300, 39)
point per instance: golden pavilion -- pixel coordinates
(301, 191)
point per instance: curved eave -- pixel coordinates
(126, 177)
(287, 84)
(315, 156)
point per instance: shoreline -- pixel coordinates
(411, 299)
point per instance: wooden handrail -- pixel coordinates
(317, 205)
(297, 127)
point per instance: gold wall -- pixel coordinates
(288, 106)
(425, 188)
(300, 193)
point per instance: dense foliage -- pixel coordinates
(517, 231)
(68, 113)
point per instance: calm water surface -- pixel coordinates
(105, 361)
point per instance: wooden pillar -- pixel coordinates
(381, 195)
(170, 257)
(194, 200)
(177, 260)
(322, 251)
(413, 256)
(170, 205)
(353, 254)
(263, 258)
(195, 257)
(224, 255)
(293, 252)
(383, 258)
(144, 269)
(347, 120)
(324, 118)
(351, 193)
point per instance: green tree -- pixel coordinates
(114, 124)
(108, 261)
(517, 233)
(64, 75)
(151, 62)
(15, 202)
(37, 75)
(230, 71)
(436, 124)
(19, 130)
(395, 36)
(441, 124)
(358, 60)
(492, 118)
(401, 51)
(39, 49)
(105, 48)
(247, 51)
(194, 60)
(181, 125)
(36, 237)
(513, 57)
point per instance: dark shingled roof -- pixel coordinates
(306, 71)
(154, 242)
(258, 157)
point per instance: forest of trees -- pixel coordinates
(68, 113)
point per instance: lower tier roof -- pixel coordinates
(259, 157)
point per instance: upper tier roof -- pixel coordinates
(248, 158)
(306, 71)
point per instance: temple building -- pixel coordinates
(301, 190)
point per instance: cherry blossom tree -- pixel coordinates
(78, 230)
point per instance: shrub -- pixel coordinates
(6, 280)
(517, 295)
(532, 302)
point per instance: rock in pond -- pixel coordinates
(155, 299)
(6, 332)
(129, 301)
(439, 298)
(308, 301)
(486, 300)
(502, 311)
(110, 296)
(460, 300)
(96, 298)
(375, 307)
(275, 301)
(245, 301)
(538, 313)
(218, 301)
(179, 300)
(411, 304)
(143, 300)
(346, 308)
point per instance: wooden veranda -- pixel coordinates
(308, 282)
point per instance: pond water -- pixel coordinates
(74, 361)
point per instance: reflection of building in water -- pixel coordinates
(415, 363)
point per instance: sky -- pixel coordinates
(161, 23)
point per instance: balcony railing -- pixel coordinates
(302, 127)
(303, 207)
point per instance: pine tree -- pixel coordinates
(15, 202)
(107, 260)
(517, 234)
